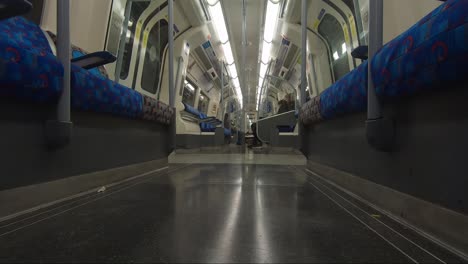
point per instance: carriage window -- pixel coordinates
(157, 41)
(203, 103)
(331, 29)
(189, 93)
(359, 10)
(137, 10)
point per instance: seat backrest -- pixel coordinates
(429, 55)
(24, 34)
(191, 110)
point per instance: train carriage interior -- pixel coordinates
(233, 131)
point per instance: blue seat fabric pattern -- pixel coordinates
(28, 69)
(349, 94)
(25, 35)
(96, 93)
(191, 110)
(432, 54)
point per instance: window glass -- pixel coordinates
(157, 41)
(189, 93)
(331, 29)
(359, 11)
(138, 7)
(203, 103)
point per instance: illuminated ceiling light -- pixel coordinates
(270, 20)
(344, 48)
(218, 22)
(219, 25)
(191, 88)
(232, 71)
(335, 55)
(266, 50)
(228, 53)
(260, 84)
(236, 82)
(263, 70)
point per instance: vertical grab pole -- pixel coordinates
(380, 131)
(304, 52)
(303, 145)
(58, 132)
(244, 51)
(172, 89)
(374, 111)
(123, 39)
(171, 53)
(64, 56)
(222, 93)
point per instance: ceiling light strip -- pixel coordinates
(219, 24)
(271, 20)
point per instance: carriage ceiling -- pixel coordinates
(233, 13)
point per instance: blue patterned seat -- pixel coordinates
(349, 94)
(206, 127)
(431, 54)
(28, 69)
(93, 92)
(191, 110)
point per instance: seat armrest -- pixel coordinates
(12, 8)
(361, 52)
(211, 121)
(94, 60)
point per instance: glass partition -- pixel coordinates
(190, 91)
(203, 103)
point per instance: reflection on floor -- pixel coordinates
(217, 214)
(239, 155)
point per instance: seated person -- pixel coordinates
(285, 105)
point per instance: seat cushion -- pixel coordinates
(431, 54)
(28, 69)
(349, 94)
(154, 110)
(24, 35)
(96, 93)
(28, 76)
(191, 110)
